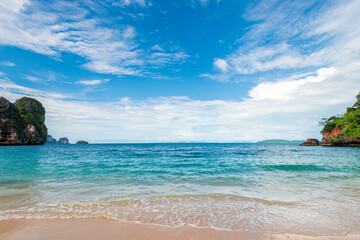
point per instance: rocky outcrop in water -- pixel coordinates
(50, 140)
(22, 122)
(63, 140)
(310, 142)
(82, 142)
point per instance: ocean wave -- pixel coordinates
(220, 211)
(296, 167)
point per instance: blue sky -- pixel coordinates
(191, 70)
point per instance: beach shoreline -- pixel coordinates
(97, 228)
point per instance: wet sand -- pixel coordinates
(90, 229)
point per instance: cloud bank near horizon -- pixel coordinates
(263, 115)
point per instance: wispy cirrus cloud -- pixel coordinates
(202, 3)
(294, 35)
(267, 58)
(44, 76)
(32, 78)
(141, 3)
(93, 82)
(8, 64)
(161, 58)
(10, 88)
(64, 26)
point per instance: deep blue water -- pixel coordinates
(256, 187)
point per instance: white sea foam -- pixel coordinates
(217, 211)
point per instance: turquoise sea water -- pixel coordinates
(253, 187)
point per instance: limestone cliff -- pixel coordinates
(22, 123)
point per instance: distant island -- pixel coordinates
(22, 122)
(63, 140)
(281, 141)
(51, 140)
(343, 130)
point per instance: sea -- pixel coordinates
(273, 188)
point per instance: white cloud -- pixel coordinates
(13, 5)
(142, 3)
(53, 28)
(202, 3)
(93, 82)
(267, 58)
(157, 47)
(221, 64)
(46, 33)
(294, 35)
(11, 88)
(338, 20)
(8, 64)
(32, 78)
(160, 58)
(284, 90)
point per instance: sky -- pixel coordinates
(116, 71)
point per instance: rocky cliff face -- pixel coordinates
(332, 133)
(22, 123)
(337, 137)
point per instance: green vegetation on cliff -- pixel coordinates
(32, 112)
(22, 122)
(8, 110)
(348, 122)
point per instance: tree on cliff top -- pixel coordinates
(357, 104)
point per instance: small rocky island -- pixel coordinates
(51, 140)
(340, 130)
(311, 142)
(63, 140)
(22, 122)
(82, 142)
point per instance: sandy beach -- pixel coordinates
(111, 229)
